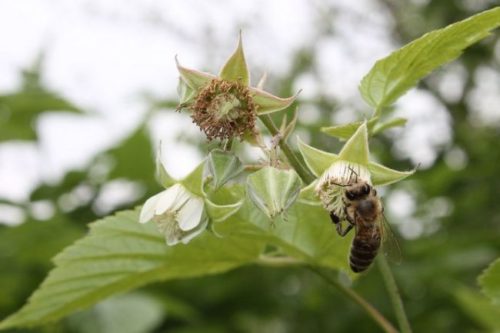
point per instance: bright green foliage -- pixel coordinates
(345, 131)
(120, 254)
(490, 281)
(356, 148)
(235, 68)
(392, 76)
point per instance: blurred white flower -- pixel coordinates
(179, 214)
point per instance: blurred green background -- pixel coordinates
(447, 215)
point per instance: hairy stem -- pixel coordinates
(370, 310)
(294, 161)
(392, 288)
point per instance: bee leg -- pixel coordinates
(344, 232)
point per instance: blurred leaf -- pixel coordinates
(392, 76)
(19, 111)
(120, 254)
(130, 313)
(490, 281)
(133, 157)
(479, 308)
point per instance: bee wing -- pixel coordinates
(390, 244)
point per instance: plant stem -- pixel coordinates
(392, 288)
(302, 171)
(372, 312)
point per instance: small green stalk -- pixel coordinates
(301, 170)
(394, 294)
(370, 310)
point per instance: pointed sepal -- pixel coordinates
(316, 160)
(193, 78)
(222, 166)
(268, 103)
(273, 190)
(220, 213)
(235, 69)
(185, 92)
(194, 181)
(356, 148)
(382, 175)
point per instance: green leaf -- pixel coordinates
(120, 254)
(392, 76)
(478, 307)
(489, 281)
(223, 166)
(345, 131)
(235, 68)
(316, 160)
(273, 190)
(396, 122)
(19, 111)
(356, 148)
(130, 313)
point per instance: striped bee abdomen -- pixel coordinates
(363, 251)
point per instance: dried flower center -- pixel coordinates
(224, 110)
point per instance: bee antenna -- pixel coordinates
(355, 173)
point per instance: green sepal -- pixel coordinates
(185, 92)
(345, 131)
(162, 176)
(222, 166)
(193, 78)
(273, 190)
(356, 148)
(382, 175)
(268, 103)
(309, 196)
(235, 69)
(316, 160)
(194, 181)
(220, 213)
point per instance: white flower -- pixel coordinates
(331, 185)
(179, 214)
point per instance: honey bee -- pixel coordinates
(363, 211)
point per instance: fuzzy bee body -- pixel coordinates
(363, 211)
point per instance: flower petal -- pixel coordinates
(190, 214)
(268, 103)
(235, 69)
(149, 207)
(188, 236)
(169, 199)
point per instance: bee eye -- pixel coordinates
(366, 189)
(349, 195)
